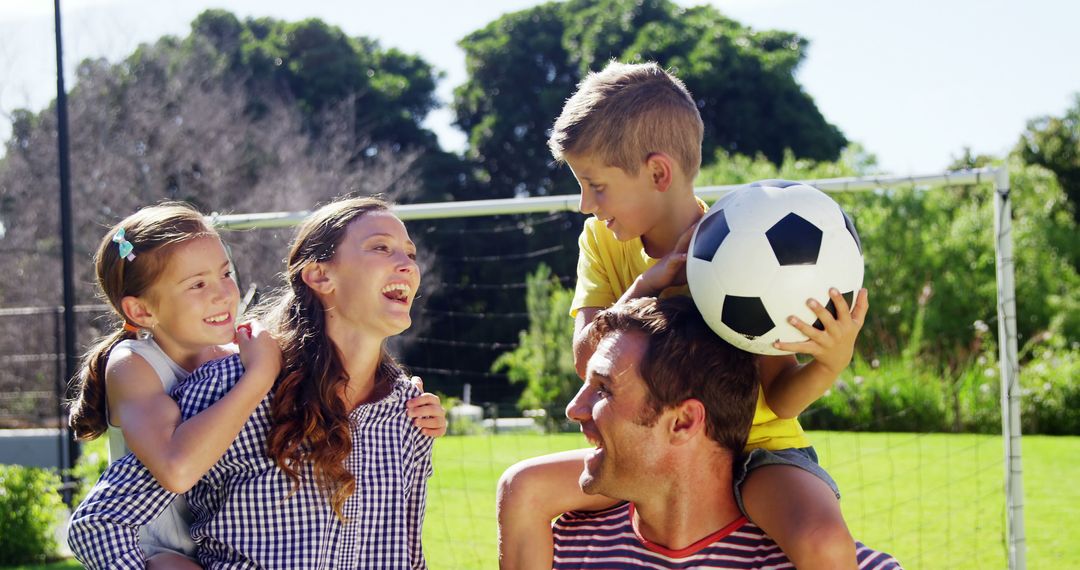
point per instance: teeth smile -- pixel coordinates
(218, 318)
(398, 291)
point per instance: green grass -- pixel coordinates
(933, 501)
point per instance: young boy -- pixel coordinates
(632, 135)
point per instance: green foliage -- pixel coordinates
(889, 396)
(29, 509)
(899, 394)
(320, 66)
(524, 65)
(93, 459)
(1051, 387)
(1054, 143)
(544, 359)
(727, 168)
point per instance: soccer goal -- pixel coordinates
(930, 499)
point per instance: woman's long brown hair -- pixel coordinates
(310, 419)
(152, 231)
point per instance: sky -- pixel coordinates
(914, 81)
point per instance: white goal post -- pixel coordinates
(1006, 291)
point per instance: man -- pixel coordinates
(667, 405)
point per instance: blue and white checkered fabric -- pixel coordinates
(246, 514)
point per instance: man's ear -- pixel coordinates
(688, 421)
(661, 170)
(138, 312)
(316, 278)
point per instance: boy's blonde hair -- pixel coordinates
(626, 112)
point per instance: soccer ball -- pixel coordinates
(764, 249)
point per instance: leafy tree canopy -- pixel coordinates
(1054, 144)
(321, 66)
(524, 65)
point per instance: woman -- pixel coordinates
(329, 470)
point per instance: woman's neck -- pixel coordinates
(360, 355)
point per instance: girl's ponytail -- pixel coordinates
(89, 418)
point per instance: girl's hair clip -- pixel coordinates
(126, 248)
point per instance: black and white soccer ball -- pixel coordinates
(764, 249)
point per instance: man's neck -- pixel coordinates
(687, 509)
(682, 212)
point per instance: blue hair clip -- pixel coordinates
(125, 246)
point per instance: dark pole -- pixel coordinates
(66, 238)
(60, 388)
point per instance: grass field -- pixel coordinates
(934, 501)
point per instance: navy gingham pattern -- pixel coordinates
(246, 511)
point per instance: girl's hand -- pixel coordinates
(426, 411)
(259, 351)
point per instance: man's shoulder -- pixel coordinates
(576, 526)
(586, 539)
(611, 513)
(869, 558)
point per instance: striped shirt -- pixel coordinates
(607, 539)
(246, 513)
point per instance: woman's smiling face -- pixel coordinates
(375, 274)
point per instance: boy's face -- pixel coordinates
(627, 203)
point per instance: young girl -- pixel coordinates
(165, 272)
(329, 471)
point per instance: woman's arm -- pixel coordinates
(179, 453)
(533, 492)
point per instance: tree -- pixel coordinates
(164, 126)
(524, 65)
(1054, 144)
(544, 358)
(176, 121)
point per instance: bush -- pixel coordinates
(93, 460)
(1051, 388)
(900, 395)
(889, 396)
(30, 507)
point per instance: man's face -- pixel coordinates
(613, 409)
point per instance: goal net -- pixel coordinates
(917, 451)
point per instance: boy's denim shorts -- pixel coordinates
(804, 458)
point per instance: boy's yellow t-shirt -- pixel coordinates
(608, 267)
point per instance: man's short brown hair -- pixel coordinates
(626, 112)
(685, 359)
